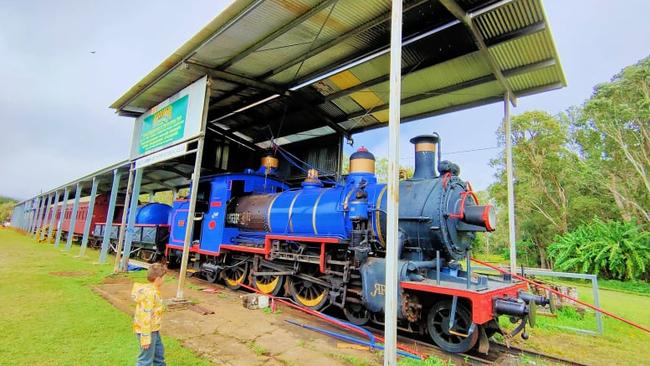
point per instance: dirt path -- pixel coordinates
(234, 335)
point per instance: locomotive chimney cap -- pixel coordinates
(425, 142)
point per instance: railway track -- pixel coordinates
(499, 353)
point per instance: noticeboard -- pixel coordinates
(175, 120)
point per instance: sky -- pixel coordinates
(64, 62)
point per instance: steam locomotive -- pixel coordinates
(324, 244)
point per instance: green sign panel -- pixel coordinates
(164, 126)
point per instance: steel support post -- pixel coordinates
(37, 214)
(28, 214)
(28, 224)
(32, 214)
(39, 217)
(45, 220)
(108, 227)
(50, 229)
(392, 257)
(41, 213)
(127, 199)
(510, 177)
(28, 217)
(599, 315)
(89, 216)
(23, 224)
(189, 227)
(130, 224)
(73, 216)
(37, 211)
(196, 176)
(174, 194)
(59, 225)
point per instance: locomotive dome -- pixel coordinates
(362, 160)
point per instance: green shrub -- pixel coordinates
(613, 250)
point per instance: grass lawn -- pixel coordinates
(621, 344)
(56, 319)
(49, 319)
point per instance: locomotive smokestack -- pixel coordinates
(425, 156)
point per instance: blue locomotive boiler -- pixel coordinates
(438, 212)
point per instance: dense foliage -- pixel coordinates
(6, 207)
(592, 161)
(613, 249)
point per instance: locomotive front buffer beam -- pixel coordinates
(500, 297)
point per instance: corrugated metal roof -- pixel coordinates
(327, 60)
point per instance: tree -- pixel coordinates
(590, 162)
(6, 208)
(545, 177)
(613, 249)
(612, 132)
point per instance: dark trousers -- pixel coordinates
(155, 354)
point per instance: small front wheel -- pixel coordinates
(457, 339)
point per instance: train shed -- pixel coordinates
(306, 75)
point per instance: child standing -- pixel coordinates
(148, 314)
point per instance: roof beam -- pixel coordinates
(227, 111)
(301, 105)
(227, 95)
(459, 107)
(237, 79)
(277, 33)
(464, 106)
(384, 18)
(157, 181)
(429, 94)
(521, 32)
(534, 28)
(179, 172)
(249, 8)
(328, 120)
(234, 138)
(464, 85)
(357, 59)
(467, 20)
(261, 85)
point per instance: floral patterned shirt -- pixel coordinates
(148, 310)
